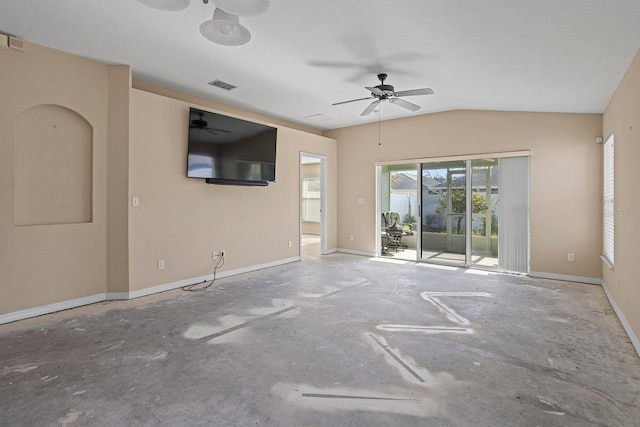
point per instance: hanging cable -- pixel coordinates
(202, 286)
(379, 137)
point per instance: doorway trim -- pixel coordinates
(323, 200)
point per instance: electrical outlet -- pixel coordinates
(160, 264)
(571, 257)
(222, 253)
(350, 236)
(290, 243)
(214, 255)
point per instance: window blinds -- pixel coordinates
(513, 214)
(608, 206)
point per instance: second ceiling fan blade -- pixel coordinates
(375, 91)
(404, 104)
(215, 131)
(370, 108)
(353, 100)
(425, 91)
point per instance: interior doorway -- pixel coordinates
(313, 219)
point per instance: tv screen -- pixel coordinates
(227, 150)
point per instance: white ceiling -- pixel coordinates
(521, 55)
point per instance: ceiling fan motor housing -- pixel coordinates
(199, 123)
(387, 89)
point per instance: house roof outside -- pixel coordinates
(407, 182)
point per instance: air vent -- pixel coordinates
(222, 85)
(16, 44)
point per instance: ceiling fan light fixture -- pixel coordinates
(243, 7)
(225, 29)
(169, 5)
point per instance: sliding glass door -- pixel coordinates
(484, 204)
(467, 219)
(443, 219)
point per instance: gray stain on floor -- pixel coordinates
(335, 341)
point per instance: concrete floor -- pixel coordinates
(335, 340)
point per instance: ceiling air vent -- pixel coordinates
(16, 44)
(222, 85)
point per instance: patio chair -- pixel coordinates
(393, 231)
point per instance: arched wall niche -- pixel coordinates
(53, 166)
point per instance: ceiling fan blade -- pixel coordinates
(333, 64)
(370, 108)
(425, 91)
(375, 91)
(353, 100)
(404, 104)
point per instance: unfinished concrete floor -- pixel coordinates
(337, 340)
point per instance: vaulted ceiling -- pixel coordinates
(514, 55)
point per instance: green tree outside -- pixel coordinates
(479, 204)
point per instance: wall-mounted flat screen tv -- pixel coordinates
(228, 150)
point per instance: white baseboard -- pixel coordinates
(194, 280)
(354, 252)
(114, 296)
(51, 308)
(78, 302)
(627, 327)
(566, 277)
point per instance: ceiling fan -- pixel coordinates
(384, 92)
(202, 124)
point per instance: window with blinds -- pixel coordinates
(608, 206)
(311, 199)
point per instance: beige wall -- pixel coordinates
(565, 175)
(212, 105)
(138, 147)
(622, 119)
(118, 180)
(44, 264)
(183, 220)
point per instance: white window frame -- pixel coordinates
(308, 195)
(608, 207)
